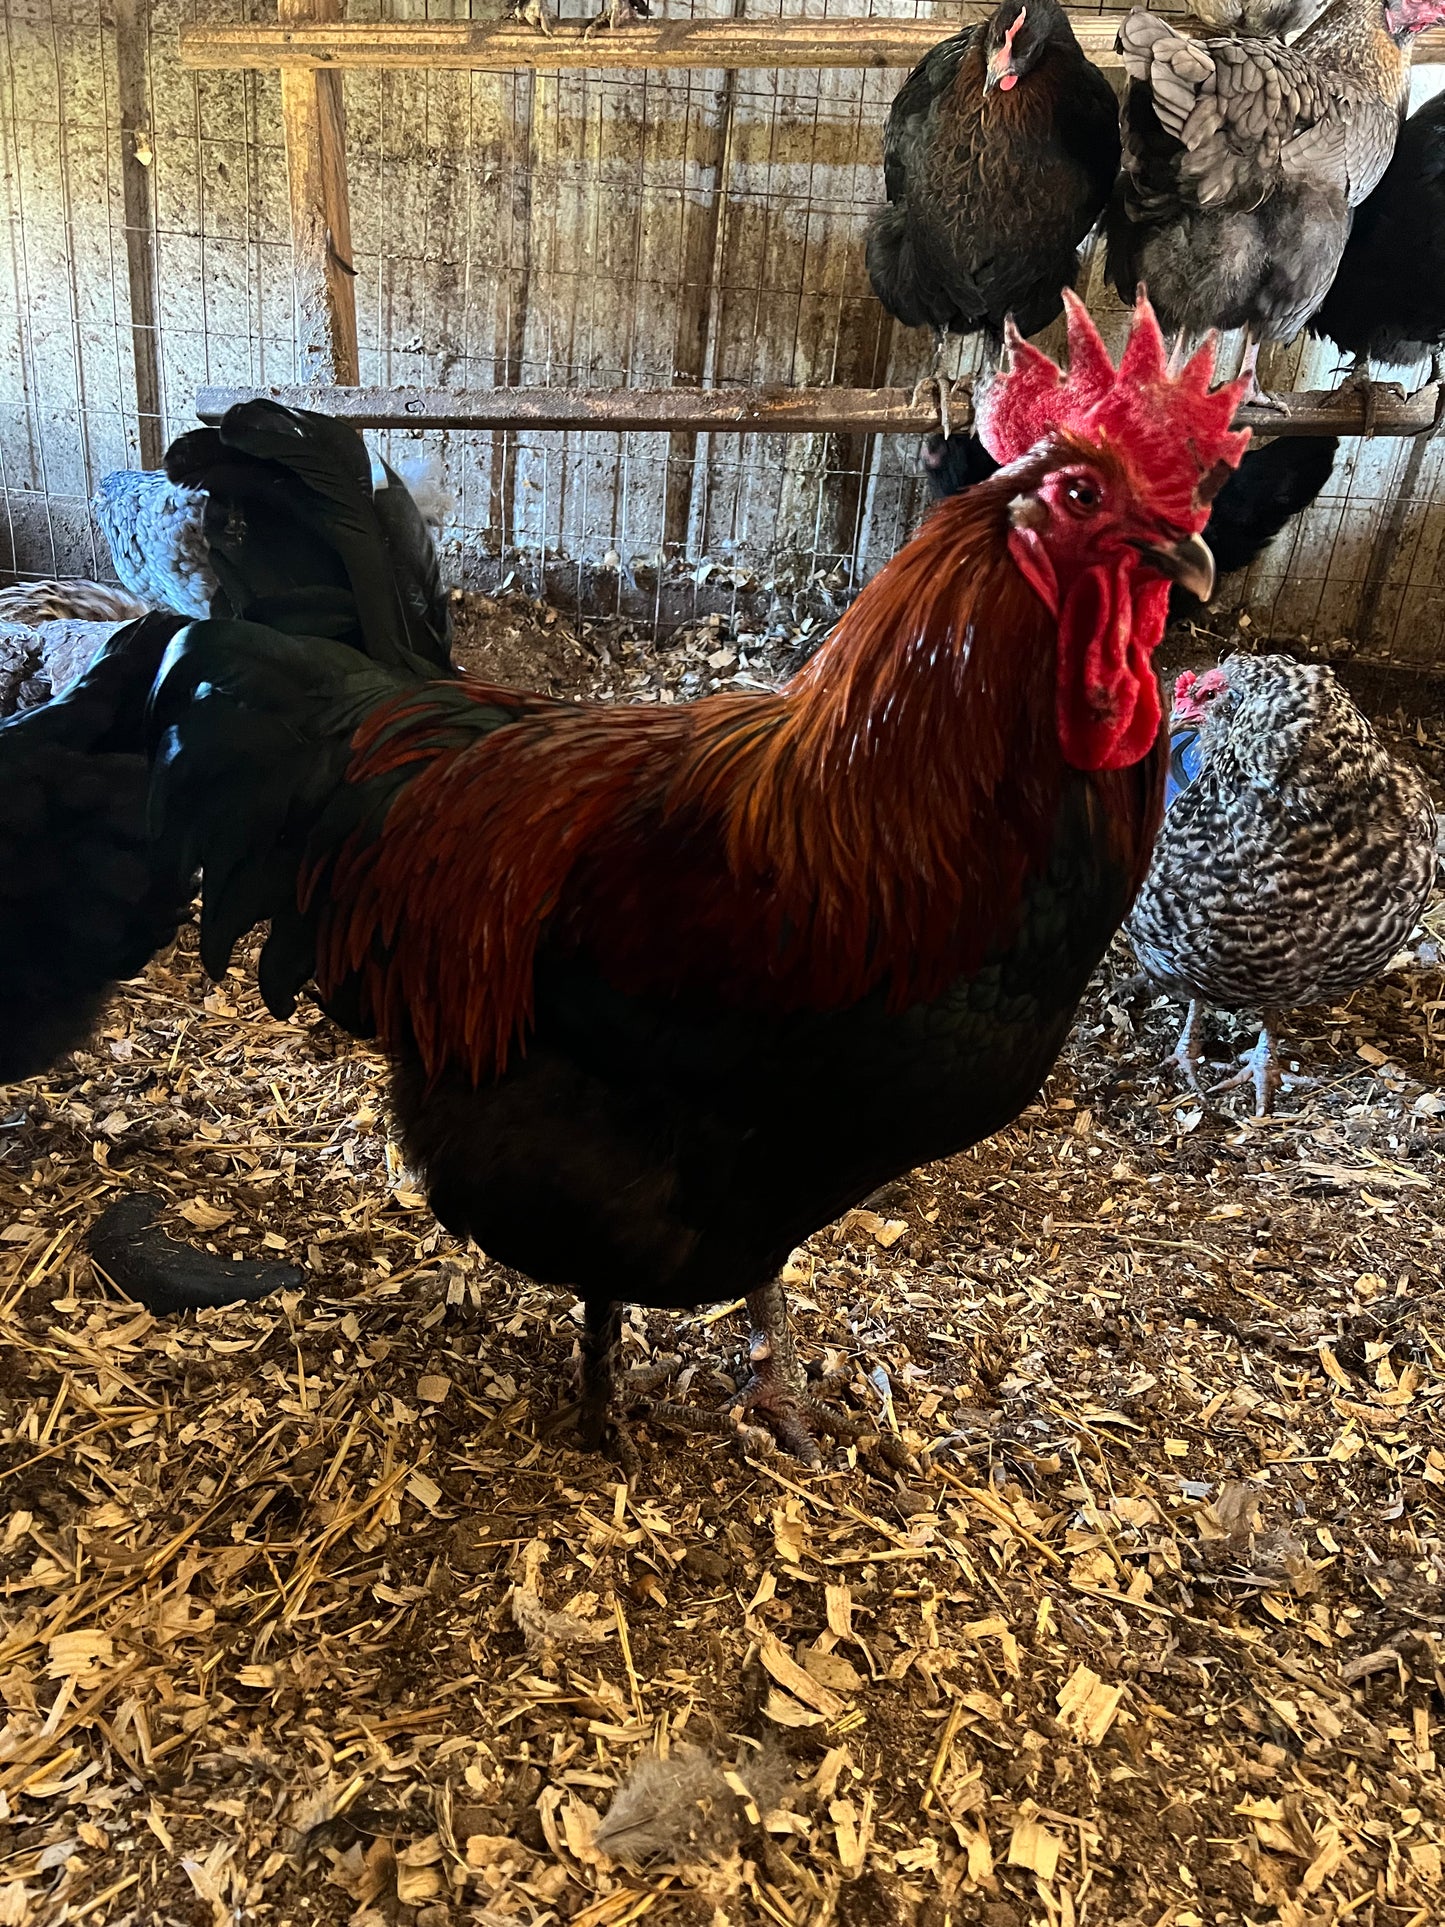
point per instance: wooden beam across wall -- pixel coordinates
(773, 410)
(314, 119)
(360, 46)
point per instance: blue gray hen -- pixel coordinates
(1294, 861)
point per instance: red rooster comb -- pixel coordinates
(1173, 426)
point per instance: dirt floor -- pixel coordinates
(312, 1615)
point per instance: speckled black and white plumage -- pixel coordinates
(1299, 859)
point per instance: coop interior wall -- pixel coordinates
(581, 229)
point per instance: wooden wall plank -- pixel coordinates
(314, 117)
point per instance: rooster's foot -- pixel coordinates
(794, 1420)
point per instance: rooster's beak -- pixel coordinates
(1187, 562)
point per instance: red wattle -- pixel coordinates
(1108, 695)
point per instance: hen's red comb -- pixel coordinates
(1172, 425)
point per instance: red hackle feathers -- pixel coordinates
(868, 828)
(1175, 427)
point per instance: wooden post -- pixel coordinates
(132, 58)
(323, 276)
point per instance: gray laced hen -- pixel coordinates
(1294, 863)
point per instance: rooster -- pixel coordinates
(609, 950)
(1388, 299)
(1244, 157)
(1275, 482)
(1294, 861)
(999, 154)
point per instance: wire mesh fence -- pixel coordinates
(584, 229)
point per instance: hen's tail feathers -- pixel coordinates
(253, 734)
(85, 899)
(166, 1276)
(301, 541)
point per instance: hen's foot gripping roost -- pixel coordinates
(1254, 396)
(534, 13)
(617, 13)
(1358, 385)
(941, 395)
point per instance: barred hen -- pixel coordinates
(999, 154)
(1292, 864)
(1242, 160)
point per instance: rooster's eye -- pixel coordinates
(1081, 495)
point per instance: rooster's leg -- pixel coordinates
(599, 1428)
(1187, 1051)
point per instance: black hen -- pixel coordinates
(1000, 152)
(301, 540)
(1388, 299)
(1274, 482)
(85, 900)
